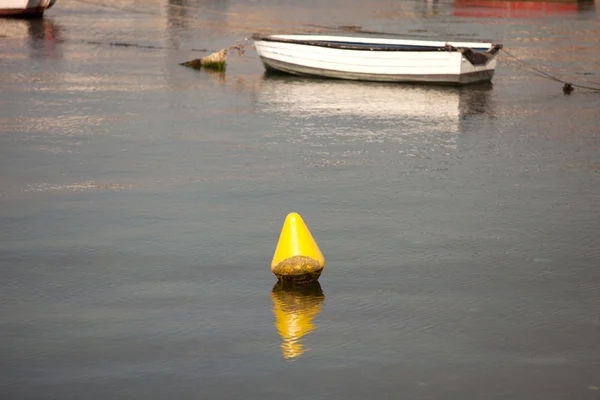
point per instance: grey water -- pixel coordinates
(141, 202)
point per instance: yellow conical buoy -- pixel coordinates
(297, 257)
(295, 306)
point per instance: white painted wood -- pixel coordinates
(395, 66)
(18, 4)
(16, 7)
(405, 42)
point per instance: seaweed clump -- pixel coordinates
(214, 62)
(299, 269)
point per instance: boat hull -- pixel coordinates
(24, 8)
(381, 64)
(484, 75)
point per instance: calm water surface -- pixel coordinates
(141, 202)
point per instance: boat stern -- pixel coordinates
(478, 66)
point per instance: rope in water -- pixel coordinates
(568, 86)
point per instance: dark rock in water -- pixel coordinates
(567, 88)
(195, 64)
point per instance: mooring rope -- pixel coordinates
(567, 86)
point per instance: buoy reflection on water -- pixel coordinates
(295, 306)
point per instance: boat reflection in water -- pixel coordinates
(42, 34)
(429, 107)
(295, 306)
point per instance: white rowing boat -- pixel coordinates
(24, 8)
(379, 59)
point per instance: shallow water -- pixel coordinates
(141, 202)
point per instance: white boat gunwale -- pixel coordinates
(377, 44)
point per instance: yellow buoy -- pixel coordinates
(297, 257)
(295, 306)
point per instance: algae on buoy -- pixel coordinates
(297, 257)
(295, 306)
